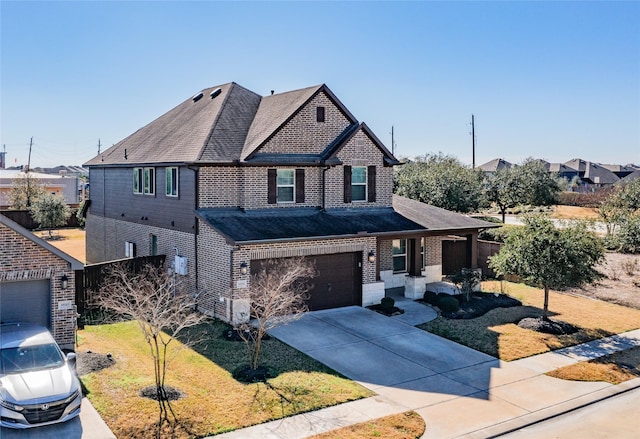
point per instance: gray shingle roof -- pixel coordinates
(436, 219)
(495, 165)
(227, 128)
(268, 225)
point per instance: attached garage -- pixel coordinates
(338, 283)
(26, 301)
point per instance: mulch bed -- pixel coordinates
(87, 362)
(480, 304)
(393, 311)
(547, 326)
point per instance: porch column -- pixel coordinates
(472, 250)
(413, 251)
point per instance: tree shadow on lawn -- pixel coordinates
(212, 343)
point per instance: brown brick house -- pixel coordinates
(229, 178)
(37, 282)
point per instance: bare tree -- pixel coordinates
(277, 296)
(162, 309)
(25, 189)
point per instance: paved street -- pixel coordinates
(617, 417)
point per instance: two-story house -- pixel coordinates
(229, 179)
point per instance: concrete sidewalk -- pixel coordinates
(467, 395)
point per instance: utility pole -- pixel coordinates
(393, 143)
(473, 142)
(29, 161)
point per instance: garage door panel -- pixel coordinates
(338, 282)
(26, 301)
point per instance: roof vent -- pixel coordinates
(272, 92)
(197, 97)
(215, 92)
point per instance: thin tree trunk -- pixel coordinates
(545, 309)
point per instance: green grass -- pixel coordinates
(215, 402)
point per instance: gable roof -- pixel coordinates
(221, 124)
(73, 262)
(495, 165)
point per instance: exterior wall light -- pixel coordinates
(243, 268)
(64, 281)
(371, 256)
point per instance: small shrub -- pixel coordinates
(630, 266)
(448, 304)
(387, 303)
(614, 273)
(431, 298)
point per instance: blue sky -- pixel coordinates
(552, 80)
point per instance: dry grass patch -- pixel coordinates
(214, 402)
(408, 425)
(70, 241)
(575, 212)
(615, 368)
(497, 334)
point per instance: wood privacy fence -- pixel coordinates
(89, 280)
(454, 255)
(23, 217)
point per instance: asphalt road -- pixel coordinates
(614, 418)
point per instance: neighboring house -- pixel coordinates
(493, 166)
(592, 175)
(63, 185)
(229, 179)
(621, 171)
(37, 282)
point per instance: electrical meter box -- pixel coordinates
(181, 265)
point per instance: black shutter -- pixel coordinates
(272, 175)
(347, 184)
(371, 184)
(299, 185)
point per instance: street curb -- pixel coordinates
(551, 412)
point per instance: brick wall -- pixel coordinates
(303, 134)
(360, 151)
(105, 241)
(23, 259)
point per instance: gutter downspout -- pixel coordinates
(324, 189)
(195, 170)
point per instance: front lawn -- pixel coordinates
(213, 400)
(497, 334)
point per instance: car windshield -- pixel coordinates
(24, 359)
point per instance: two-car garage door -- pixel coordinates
(338, 283)
(25, 301)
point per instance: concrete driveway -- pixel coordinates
(382, 352)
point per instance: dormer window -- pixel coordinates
(319, 114)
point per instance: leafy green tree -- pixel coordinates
(440, 180)
(550, 257)
(50, 211)
(25, 190)
(622, 204)
(528, 183)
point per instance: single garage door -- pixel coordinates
(338, 283)
(25, 301)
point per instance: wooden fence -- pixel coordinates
(454, 255)
(89, 280)
(23, 217)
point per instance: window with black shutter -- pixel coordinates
(371, 183)
(299, 185)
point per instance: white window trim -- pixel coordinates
(398, 255)
(151, 172)
(168, 175)
(137, 180)
(292, 186)
(366, 176)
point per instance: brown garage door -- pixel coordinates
(338, 283)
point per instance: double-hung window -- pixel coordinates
(359, 183)
(399, 255)
(144, 181)
(171, 175)
(285, 184)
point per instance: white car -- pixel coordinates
(38, 384)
